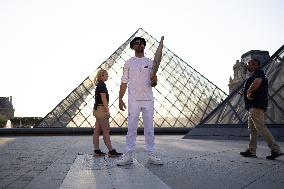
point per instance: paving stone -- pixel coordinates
(92, 172)
(48, 161)
(18, 184)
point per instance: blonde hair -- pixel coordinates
(100, 73)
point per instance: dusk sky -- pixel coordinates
(48, 47)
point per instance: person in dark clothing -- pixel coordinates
(101, 112)
(256, 102)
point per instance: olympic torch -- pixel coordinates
(157, 60)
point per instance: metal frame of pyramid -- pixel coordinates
(232, 111)
(183, 96)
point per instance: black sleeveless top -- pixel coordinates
(100, 88)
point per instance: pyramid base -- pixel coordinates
(230, 132)
(86, 131)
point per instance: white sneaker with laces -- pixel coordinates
(154, 160)
(126, 160)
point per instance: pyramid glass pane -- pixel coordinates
(182, 97)
(232, 110)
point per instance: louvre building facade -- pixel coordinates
(232, 111)
(6, 107)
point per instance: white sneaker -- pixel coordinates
(126, 160)
(154, 160)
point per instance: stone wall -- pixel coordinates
(6, 107)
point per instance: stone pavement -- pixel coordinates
(51, 162)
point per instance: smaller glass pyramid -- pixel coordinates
(232, 110)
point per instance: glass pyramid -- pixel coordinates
(232, 110)
(182, 97)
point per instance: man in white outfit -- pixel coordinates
(137, 75)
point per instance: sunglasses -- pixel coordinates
(137, 42)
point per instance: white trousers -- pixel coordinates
(134, 109)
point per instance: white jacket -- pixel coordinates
(137, 73)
